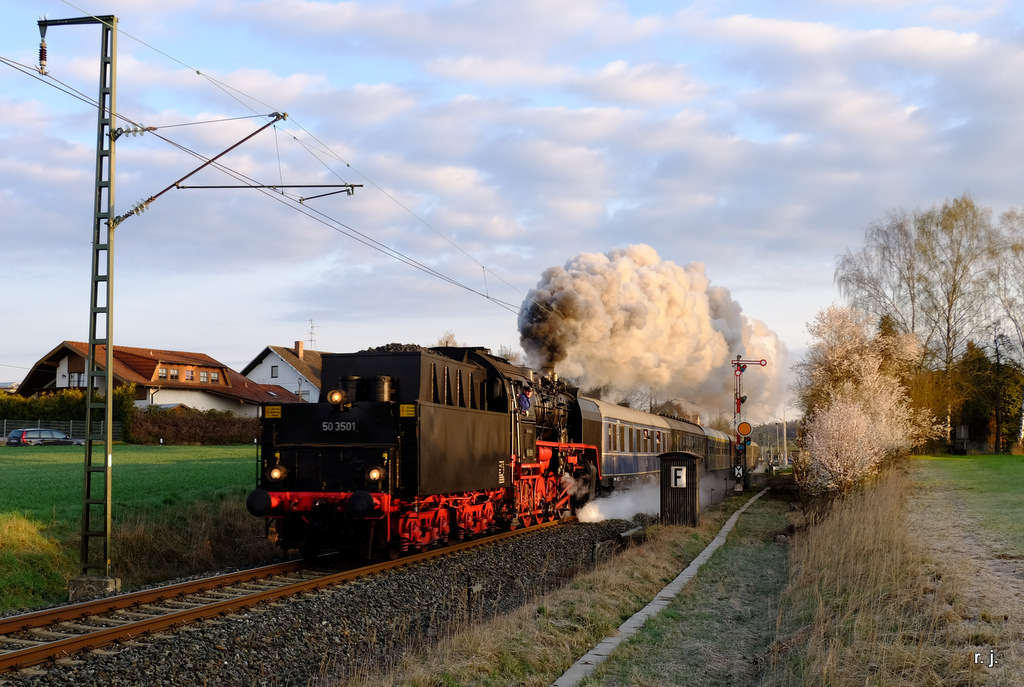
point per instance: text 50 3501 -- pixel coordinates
(340, 426)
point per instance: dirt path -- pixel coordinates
(982, 588)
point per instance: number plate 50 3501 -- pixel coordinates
(340, 426)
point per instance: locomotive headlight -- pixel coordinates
(277, 473)
(337, 398)
(375, 474)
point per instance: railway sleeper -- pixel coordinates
(112, 622)
(79, 626)
(256, 587)
(53, 634)
(19, 643)
(183, 604)
(227, 593)
(139, 615)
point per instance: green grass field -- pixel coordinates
(175, 509)
(991, 489)
(45, 483)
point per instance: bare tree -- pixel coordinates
(885, 277)
(1008, 271)
(955, 242)
(927, 273)
(447, 339)
(510, 354)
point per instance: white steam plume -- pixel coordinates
(622, 505)
(627, 319)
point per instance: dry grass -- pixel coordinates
(29, 561)
(718, 630)
(155, 545)
(871, 601)
(537, 643)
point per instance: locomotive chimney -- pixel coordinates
(549, 372)
(299, 348)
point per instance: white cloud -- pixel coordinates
(646, 84)
(759, 141)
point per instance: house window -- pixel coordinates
(273, 371)
(162, 373)
(215, 377)
(188, 375)
(204, 376)
(174, 374)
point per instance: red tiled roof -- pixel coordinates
(139, 365)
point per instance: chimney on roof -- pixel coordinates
(299, 347)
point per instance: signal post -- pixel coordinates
(743, 429)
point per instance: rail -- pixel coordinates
(36, 637)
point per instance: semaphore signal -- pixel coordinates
(743, 429)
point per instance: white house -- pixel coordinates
(296, 369)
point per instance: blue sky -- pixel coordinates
(493, 140)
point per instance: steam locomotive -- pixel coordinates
(412, 447)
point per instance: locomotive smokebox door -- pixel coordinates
(680, 489)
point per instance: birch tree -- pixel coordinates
(955, 243)
(885, 277)
(1008, 271)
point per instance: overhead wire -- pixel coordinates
(296, 204)
(294, 201)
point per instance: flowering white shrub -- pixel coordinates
(857, 411)
(840, 448)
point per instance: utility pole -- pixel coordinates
(94, 566)
(778, 445)
(785, 440)
(95, 559)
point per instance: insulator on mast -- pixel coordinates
(42, 56)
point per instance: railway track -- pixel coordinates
(37, 637)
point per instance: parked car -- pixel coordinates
(41, 437)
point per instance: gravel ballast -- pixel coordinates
(354, 628)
